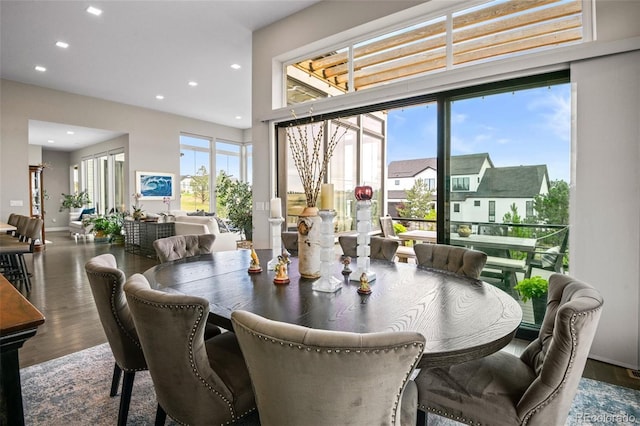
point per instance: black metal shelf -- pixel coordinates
(139, 236)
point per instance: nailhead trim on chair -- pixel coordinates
(114, 311)
(117, 318)
(234, 417)
(527, 417)
(574, 343)
(337, 351)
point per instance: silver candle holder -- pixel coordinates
(276, 241)
(363, 249)
(327, 282)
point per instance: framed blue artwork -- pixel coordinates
(155, 185)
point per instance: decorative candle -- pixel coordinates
(326, 196)
(276, 207)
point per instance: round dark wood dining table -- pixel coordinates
(461, 318)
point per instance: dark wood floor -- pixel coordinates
(60, 290)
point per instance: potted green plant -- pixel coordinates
(74, 201)
(116, 222)
(236, 197)
(101, 226)
(535, 288)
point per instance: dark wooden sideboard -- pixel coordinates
(19, 320)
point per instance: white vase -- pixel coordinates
(309, 248)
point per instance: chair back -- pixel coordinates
(21, 226)
(379, 248)
(552, 260)
(290, 242)
(171, 329)
(306, 376)
(181, 246)
(560, 352)
(386, 226)
(13, 219)
(107, 282)
(33, 231)
(459, 260)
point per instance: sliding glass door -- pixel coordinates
(494, 158)
(103, 176)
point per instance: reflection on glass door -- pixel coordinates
(344, 177)
(119, 175)
(104, 179)
(102, 200)
(509, 177)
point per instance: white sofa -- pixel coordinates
(196, 225)
(76, 227)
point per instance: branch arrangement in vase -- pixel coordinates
(305, 143)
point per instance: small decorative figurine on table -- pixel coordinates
(364, 284)
(346, 261)
(282, 276)
(254, 267)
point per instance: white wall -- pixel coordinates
(605, 206)
(300, 30)
(153, 136)
(605, 215)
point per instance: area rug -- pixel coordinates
(74, 390)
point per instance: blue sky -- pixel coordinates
(527, 127)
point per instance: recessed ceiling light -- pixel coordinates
(94, 11)
(40, 68)
(159, 97)
(193, 83)
(62, 44)
(71, 132)
(51, 141)
(238, 117)
(236, 66)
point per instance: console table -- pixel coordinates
(19, 320)
(140, 235)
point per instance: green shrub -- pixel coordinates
(532, 287)
(398, 228)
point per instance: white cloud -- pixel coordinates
(556, 111)
(458, 118)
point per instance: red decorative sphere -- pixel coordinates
(363, 193)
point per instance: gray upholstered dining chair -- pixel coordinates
(305, 376)
(536, 388)
(181, 246)
(459, 260)
(380, 248)
(196, 381)
(107, 282)
(12, 251)
(290, 241)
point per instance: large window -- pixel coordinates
(103, 176)
(197, 187)
(455, 37)
(495, 158)
(195, 169)
(459, 183)
(357, 160)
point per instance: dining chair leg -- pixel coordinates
(161, 416)
(115, 382)
(125, 398)
(421, 420)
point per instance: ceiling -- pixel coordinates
(136, 50)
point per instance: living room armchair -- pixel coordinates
(196, 225)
